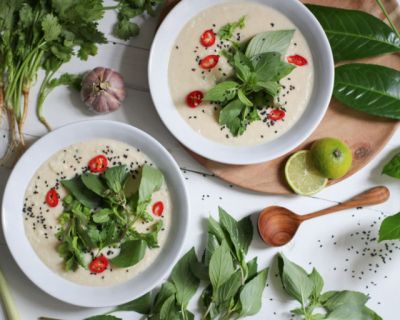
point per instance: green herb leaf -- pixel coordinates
(140, 305)
(167, 290)
(224, 91)
(169, 310)
(229, 288)
(269, 67)
(221, 265)
(116, 177)
(252, 267)
(103, 317)
(251, 294)
(318, 283)
(270, 87)
(390, 228)
(102, 216)
(76, 187)
(151, 181)
(226, 32)
(295, 280)
(345, 305)
(94, 183)
(369, 88)
(243, 99)
(392, 169)
(185, 282)
(355, 34)
(126, 29)
(229, 116)
(245, 227)
(271, 41)
(51, 28)
(212, 244)
(131, 253)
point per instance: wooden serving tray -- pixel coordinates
(366, 135)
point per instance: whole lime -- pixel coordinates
(331, 157)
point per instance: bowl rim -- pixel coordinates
(218, 152)
(48, 280)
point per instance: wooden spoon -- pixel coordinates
(278, 225)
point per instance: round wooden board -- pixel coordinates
(366, 135)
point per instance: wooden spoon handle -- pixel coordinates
(372, 196)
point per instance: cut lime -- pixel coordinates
(302, 177)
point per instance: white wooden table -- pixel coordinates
(342, 247)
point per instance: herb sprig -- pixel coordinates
(315, 305)
(258, 68)
(100, 211)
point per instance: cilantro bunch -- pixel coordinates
(258, 68)
(100, 211)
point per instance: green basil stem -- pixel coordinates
(388, 17)
(5, 295)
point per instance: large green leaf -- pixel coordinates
(270, 41)
(370, 88)
(355, 34)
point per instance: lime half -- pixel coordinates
(302, 177)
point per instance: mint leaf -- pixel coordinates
(221, 265)
(251, 294)
(392, 169)
(271, 41)
(185, 282)
(224, 91)
(132, 251)
(226, 32)
(390, 228)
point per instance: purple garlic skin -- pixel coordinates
(103, 90)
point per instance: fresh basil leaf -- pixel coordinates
(355, 34)
(169, 310)
(215, 229)
(252, 267)
(150, 237)
(167, 290)
(77, 251)
(251, 294)
(84, 237)
(372, 315)
(269, 67)
(151, 181)
(221, 265)
(270, 41)
(243, 66)
(270, 87)
(132, 251)
(224, 91)
(200, 270)
(390, 228)
(102, 216)
(369, 88)
(116, 177)
(229, 288)
(295, 280)
(185, 282)
(243, 99)
(212, 244)
(245, 227)
(346, 305)
(140, 305)
(226, 31)
(318, 284)
(94, 183)
(392, 169)
(76, 187)
(229, 116)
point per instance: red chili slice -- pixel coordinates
(98, 164)
(52, 198)
(208, 38)
(158, 208)
(209, 62)
(276, 115)
(297, 60)
(99, 264)
(194, 98)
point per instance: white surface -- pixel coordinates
(342, 265)
(323, 85)
(33, 266)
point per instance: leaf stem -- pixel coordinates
(388, 17)
(9, 306)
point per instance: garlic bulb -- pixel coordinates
(103, 90)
